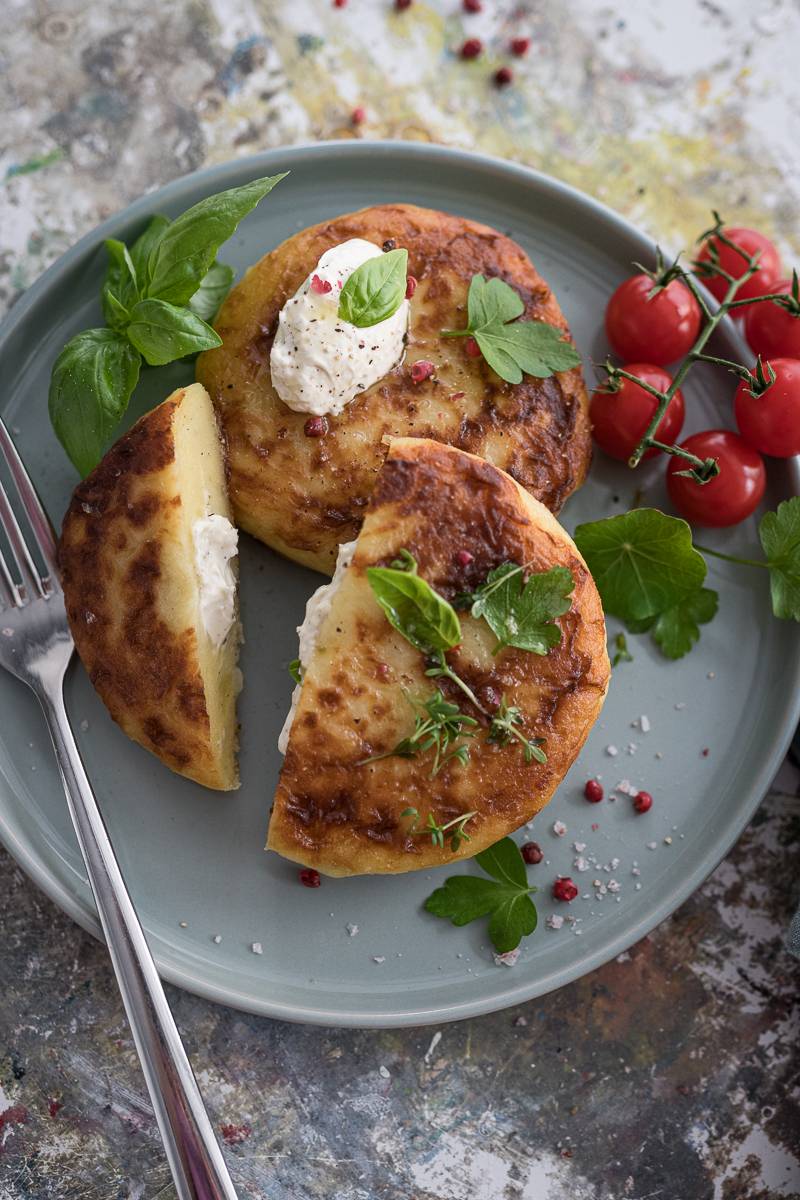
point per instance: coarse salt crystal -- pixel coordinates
(559, 828)
(508, 959)
(352, 930)
(613, 885)
(257, 948)
(679, 706)
(643, 723)
(579, 847)
(217, 938)
(635, 871)
(612, 751)
(580, 863)
(627, 788)
(379, 958)
(554, 922)
(651, 845)
(631, 747)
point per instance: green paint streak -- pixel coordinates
(34, 164)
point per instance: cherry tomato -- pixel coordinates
(730, 496)
(771, 331)
(749, 240)
(620, 418)
(771, 422)
(657, 329)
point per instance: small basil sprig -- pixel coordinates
(420, 614)
(510, 346)
(156, 299)
(375, 290)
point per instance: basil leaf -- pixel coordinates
(121, 275)
(415, 610)
(90, 386)
(212, 291)
(505, 899)
(114, 311)
(676, 630)
(375, 290)
(143, 247)
(643, 562)
(520, 614)
(162, 332)
(187, 246)
(779, 532)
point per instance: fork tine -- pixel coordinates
(11, 589)
(19, 547)
(33, 508)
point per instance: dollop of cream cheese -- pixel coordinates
(215, 544)
(317, 608)
(320, 363)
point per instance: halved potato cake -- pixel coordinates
(147, 557)
(343, 810)
(306, 495)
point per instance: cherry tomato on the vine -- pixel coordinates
(655, 329)
(730, 496)
(772, 331)
(620, 418)
(749, 240)
(771, 421)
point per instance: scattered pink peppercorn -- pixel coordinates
(533, 853)
(593, 791)
(316, 427)
(520, 46)
(564, 889)
(642, 802)
(421, 370)
(339, 3)
(471, 48)
(464, 558)
(309, 877)
(503, 76)
(411, 286)
(472, 348)
(320, 286)
(402, 5)
(472, 6)
(358, 116)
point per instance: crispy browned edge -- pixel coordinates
(330, 813)
(146, 672)
(543, 424)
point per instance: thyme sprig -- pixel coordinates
(439, 726)
(504, 729)
(438, 832)
(701, 470)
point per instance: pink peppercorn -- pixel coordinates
(471, 48)
(421, 370)
(309, 877)
(533, 853)
(402, 5)
(520, 46)
(593, 791)
(472, 348)
(472, 6)
(564, 889)
(503, 76)
(339, 3)
(316, 427)
(642, 802)
(464, 558)
(320, 286)
(358, 116)
(411, 286)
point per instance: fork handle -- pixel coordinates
(193, 1152)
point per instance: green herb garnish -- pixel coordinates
(420, 614)
(522, 614)
(295, 669)
(156, 299)
(509, 346)
(505, 898)
(456, 828)
(438, 726)
(621, 653)
(375, 290)
(505, 728)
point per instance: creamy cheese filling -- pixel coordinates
(320, 363)
(317, 609)
(215, 544)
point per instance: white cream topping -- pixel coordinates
(320, 363)
(215, 544)
(317, 609)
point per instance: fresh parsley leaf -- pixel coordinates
(375, 290)
(643, 562)
(421, 615)
(90, 386)
(622, 653)
(162, 332)
(676, 630)
(183, 253)
(504, 899)
(212, 291)
(509, 346)
(523, 614)
(780, 536)
(295, 669)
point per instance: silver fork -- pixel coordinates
(36, 646)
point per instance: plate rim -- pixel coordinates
(24, 853)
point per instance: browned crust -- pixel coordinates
(342, 818)
(303, 495)
(145, 669)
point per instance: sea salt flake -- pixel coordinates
(613, 885)
(508, 959)
(217, 938)
(644, 723)
(379, 958)
(257, 948)
(579, 847)
(631, 747)
(635, 871)
(651, 845)
(559, 828)
(554, 922)
(352, 930)
(627, 788)
(612, 751)
(680, 705)
(580, 863)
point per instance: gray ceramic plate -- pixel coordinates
(193, 858)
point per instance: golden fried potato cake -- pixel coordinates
(460, 517)
(306, 495)
(150, 587)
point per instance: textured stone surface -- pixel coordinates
(671, 1073)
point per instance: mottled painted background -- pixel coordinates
(671, 1073)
